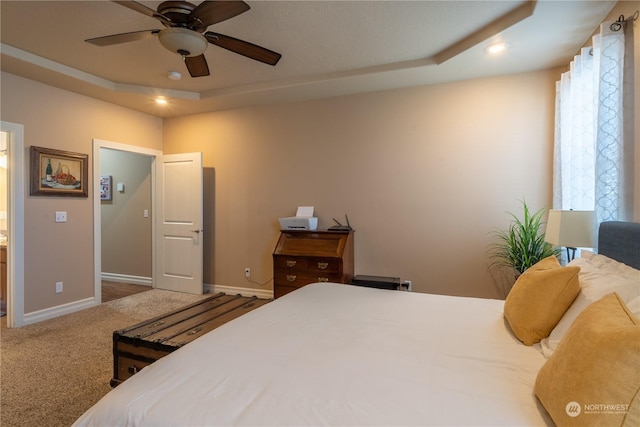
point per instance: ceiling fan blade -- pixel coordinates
(214, 11)
(197, 65)
(122, 38)
(138, 7)
(244, 48)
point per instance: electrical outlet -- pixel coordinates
(247, 272)
(59, 286)
(406, 285)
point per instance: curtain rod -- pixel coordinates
(616, 26)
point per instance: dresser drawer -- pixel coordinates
(301, 278)
(332, 265)
(326, 265)
(285, 283)
(290, 263)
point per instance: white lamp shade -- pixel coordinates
(181, 40)
(571, 229)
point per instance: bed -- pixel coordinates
(332, 354)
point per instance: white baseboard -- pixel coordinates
(233, 290)
(50, 313)
(60, 310)
(125, 278)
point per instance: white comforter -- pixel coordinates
(340, 355)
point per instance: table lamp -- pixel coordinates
(571, 229)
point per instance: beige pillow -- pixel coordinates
(593, 377)
(539, 298)
(599, 276)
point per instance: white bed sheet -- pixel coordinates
(341, 355)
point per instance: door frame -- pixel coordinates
(16, 178)
(97, 216)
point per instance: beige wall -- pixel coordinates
(425, 174)
(126, 233)
(59, 119)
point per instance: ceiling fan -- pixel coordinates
(185, 31)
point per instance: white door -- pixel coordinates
(179, 223)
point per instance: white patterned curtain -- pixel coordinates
(593, 147)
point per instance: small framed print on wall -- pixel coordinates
(105, 187)
(58, 173)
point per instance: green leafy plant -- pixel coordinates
(522, 244)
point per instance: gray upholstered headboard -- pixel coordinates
(620, 241)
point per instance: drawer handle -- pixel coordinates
(291, 277)
(194, 331)
(323, 279)
(291, 263)
(323, 265)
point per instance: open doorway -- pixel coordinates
(13, 135)
(176, 232)
(123, 223)
(126, 222)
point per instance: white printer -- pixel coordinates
(304, 220)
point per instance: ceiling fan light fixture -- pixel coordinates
(174, 75)
(183, 41)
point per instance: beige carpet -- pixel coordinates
(53, 371)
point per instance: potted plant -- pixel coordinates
(522, 244)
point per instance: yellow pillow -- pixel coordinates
(539, 298)
(593, 378)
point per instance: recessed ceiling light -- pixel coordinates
(161, 100)
(496, 48)
(174, 75)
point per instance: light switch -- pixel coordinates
(61, 216)
(145, 213)
(120, 187)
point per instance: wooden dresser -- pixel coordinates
(302, 257)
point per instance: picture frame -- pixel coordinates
(58, 173)
(106, 187)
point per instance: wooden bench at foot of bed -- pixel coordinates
(142, 344)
